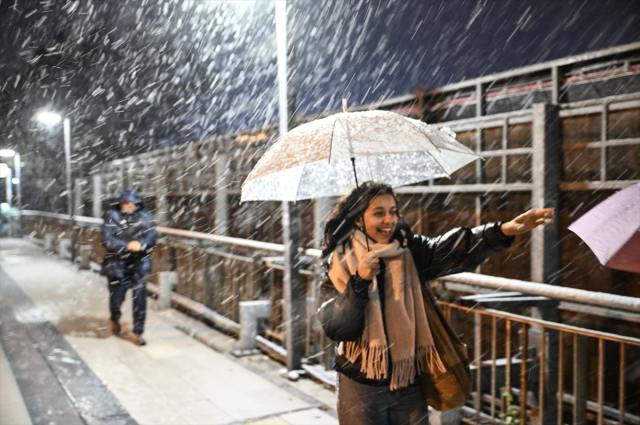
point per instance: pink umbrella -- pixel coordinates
(612, 230)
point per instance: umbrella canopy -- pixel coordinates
(315, 159)
(612, 230)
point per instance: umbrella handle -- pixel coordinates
(355, 175)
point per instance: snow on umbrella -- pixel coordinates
(612, 230)
(325, 157)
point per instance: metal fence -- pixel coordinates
(553, 373)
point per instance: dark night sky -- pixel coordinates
(224, 52)
(137, 74)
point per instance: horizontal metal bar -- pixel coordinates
(564, 305)
(592, 406)
(248, 243)
(598, 185)
(616, 102)
(466, 188)
(599, 299)
(508, 302)
(501, 152)
(485, 121)
(491, 295)
(549, 325)
(606, 143)
(65, 217)
(272, 349)
(302, 271)
(600, 311)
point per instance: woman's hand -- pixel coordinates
(134, 246)
(369, 266)
(528, 221)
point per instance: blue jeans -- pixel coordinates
(371, 405)
(117, 291)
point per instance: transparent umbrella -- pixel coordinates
(329, 156)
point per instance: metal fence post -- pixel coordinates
(580, 379)
(250, 314)
(97, 196)
(167, 282)
(221, 223)
(547, 175)
(161, 196)
(85, 257)
(545, 241)
(295, 291)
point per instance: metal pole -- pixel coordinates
(294, 287)
(97, 196)
(16, 162)
(221, 223)
(9, 187)
(67, 157)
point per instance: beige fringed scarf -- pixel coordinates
(408, 335)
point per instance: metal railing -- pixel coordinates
(556, 373)
(540, 372)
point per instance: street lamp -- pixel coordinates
(17, 180)
(51, 118)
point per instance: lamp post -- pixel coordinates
(17, 180)
(52, 118)
(295, 290)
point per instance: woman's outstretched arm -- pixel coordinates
(463, 249)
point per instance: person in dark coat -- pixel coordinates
(129, 235)
(372, 301)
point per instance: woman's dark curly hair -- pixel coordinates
(351, 208)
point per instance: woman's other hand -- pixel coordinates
(369, 266)
(528, 221)
(134, 246)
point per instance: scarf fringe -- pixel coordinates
(428, 359)
(404, 371)
(374, 362)
(374, 359)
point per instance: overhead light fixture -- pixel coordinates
(7, 153)
(49, 117)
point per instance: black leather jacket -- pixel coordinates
(461, 249)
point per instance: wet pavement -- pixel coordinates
(67, 368)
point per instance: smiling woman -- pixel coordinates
(393, 340)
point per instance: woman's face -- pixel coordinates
(381, 218)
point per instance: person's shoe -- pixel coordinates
(114, 326)
(138, 339)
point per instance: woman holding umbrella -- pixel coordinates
(377, 270)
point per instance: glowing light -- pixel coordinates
(7, 153)
(15, 180)
(49, 117)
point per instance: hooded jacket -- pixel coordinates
(119, 229)
(461, 249)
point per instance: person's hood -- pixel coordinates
(130, 196)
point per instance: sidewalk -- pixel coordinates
(174, 379)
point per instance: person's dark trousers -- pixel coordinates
(377, 405)
(117, 291)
